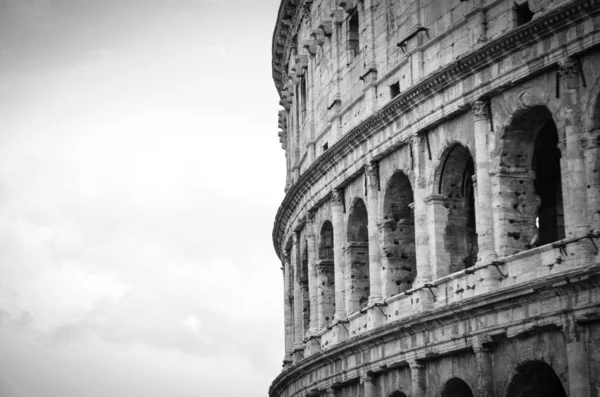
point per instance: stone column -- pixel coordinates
(369, 386)
(438, 218)
(417, 377)
(298, 300)
(309, 228)
(374, 246)
(485, 373)
(288, 309)
(336, 48)
(424, 273)
(484, 221)
(312, 346)
(337, 216)
(484, 211)
(370, 74)
(578, 360)
(591, 153)
(574, 193)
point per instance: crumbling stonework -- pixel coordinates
(440, 230)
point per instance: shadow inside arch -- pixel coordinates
(535, 379)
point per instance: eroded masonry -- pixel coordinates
(440, 230)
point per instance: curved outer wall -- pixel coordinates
(440, 229)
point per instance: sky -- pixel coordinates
(140, 173)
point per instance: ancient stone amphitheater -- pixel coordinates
(440, 230)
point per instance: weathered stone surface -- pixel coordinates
(442, 212)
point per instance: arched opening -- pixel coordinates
(357, 251)
(398, 235)
(535, 379)
(548, 187)
(456, 184)
(456, 387)
(303, 279)
(529, 182)
(326, 276)
(397, 393)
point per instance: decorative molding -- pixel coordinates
(481, 109)
(533, 32)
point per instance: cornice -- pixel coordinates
(437, 82)
(288, 20)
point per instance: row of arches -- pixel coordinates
(531, 379)
(529, 176)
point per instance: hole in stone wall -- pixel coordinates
(456, 183)
(456, 387)
(546, 164)
(357, 252)
(535, 378)
(326, 289)
(399, 234)
(303, 278)
(522, 13)
(353, 33)
(395, 89)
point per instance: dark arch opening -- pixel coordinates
(456, 183)
(397, 393)
(399, 235)
(535, 379)
(456, 387)
(304, 288)
(532, 174)
(326, 274)
(358, 256)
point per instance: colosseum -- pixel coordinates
(440, 230)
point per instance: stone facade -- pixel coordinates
(441, 224)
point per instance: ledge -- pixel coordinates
(511, 42)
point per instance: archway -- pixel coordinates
(398, 235)
(529, 185)
(357, 252)
(303, 279)
(456, 387)
(535, 379)
(455, 183)
(397, 393)
(326, 276)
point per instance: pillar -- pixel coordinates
(370, 74)
(298, 300)
(574, 193)
(591, 153)
(578, 360)
(288, 308)
(337, 216)
(372, 174)
(417, 378)
(368, 386)
(484, 221)
(309, 228)
(485, 373)
(424, 273)
(312, 345)
(437, 213)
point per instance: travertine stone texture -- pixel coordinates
(440, 230)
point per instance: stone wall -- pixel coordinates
(450, 150)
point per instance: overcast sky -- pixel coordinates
(140, 172)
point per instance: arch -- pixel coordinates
(397, 393)
(398, 235)
(303, 280)
(357, 251)
(455, 185)
(530, 172)
(456, 387)
(535, 379)
(326, 276)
